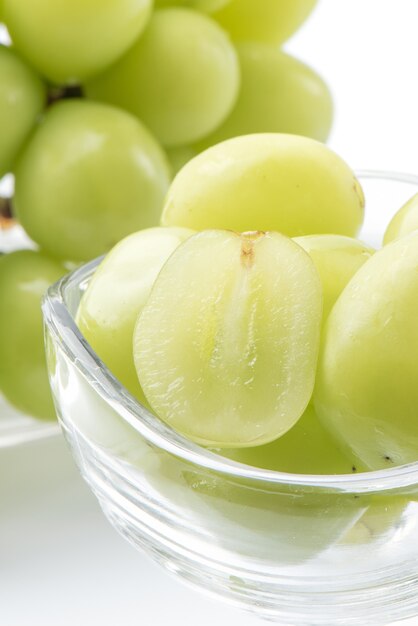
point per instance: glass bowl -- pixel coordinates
(294, 549)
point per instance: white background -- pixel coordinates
(60, 562)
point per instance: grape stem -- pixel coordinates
(6, 220)
(63, 92)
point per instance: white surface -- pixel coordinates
(60, 563)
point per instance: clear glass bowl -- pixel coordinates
(295, 549)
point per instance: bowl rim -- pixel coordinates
(61, 324)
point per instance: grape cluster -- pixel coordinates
(177, 77)
(276, 345)
(101, 102)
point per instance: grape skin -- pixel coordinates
(22, 98)
(307, 448)
(366, 391)
(181, 77)
(24, 278)
(71, 40)
(117, 293)
(90, 175)
(337, 260)
(278, 94)
(207, 6)
(270, 21)
(293, 185)
(404, 222)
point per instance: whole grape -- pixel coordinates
(337, 259)
(270, 21)
(207, 6)
(22, 98)
(24, 277)
(366, 389)
(70, 40)
(405, 221)
(117, 293)
(90, 175)
(307, 448)
(179, 156)
(278, 94)
(181, 77)
(286, 183)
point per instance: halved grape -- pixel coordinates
(70, 40)
(24, 277)
(271, 21)
(337, 259)
(181, 77)
(405, 221)
(90, 175)
(278, 94)
(307, 448)
(286, 183)
(117, 293)
(226, 346)
(22, 98)
(366, 390)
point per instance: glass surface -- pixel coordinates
(311, 550)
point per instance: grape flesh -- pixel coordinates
(271, 21)
(71, 40)
(405, 221)
(24, 278)
(226, 346)
(90, 175)
(278, 94)
(285, 183)
(22, 98)
(366, 391)
(181, 77)
(337, 259)
(117, 293)
(307, 448)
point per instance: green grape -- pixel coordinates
(22, 97)
(286, 183)
(226, 346)
(307, 448)
(90, 175)
(276, 524)
(337, 259)
(405, 221)
(366, 391)
(207, 6)
(271, 21)
(181, 77)
(178, 157)
(278, 94)
(71, 40)
(117, 293)
(382, 519)
(24, 277)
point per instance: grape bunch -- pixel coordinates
(100, 104)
